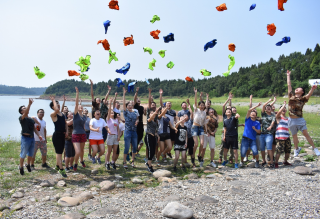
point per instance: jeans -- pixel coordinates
(27, 146)
(130, 137)
(197, 130)
(266, 140)
(246, 144)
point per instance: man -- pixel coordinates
(230, 136)
(141, 111)
(184, 109)
(27, 136)
(42, 145)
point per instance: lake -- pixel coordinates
(9, 115)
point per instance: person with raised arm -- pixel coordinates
(296, 121)
(130, 133)
(251, 129)
(79, 136)
(142, 111)
(230, 136)
(181, 143)
(27, 136)
(150, 138)
(282, 136)
(113, 137)
(104, 103)
(59, 135)
(197, 129)
(267, 130)
(184, 109)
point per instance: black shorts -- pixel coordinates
(180, 148)
(69, 149)
(190, 145)
(164, 136)
(58, 139)
(172, 134)
(231, 143)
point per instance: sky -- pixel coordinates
(54, 34)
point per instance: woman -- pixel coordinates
(150, 138)
(181, 142)
(164, 134)
(96, 138)
(79, 134)
(113, 136)
(198, 126)
(130, 133)
(68, 147)
(296, 121)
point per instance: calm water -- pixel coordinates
(9, 115)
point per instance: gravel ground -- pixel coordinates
(252, 193)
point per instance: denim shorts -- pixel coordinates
(266, 140)
(27, 146)
(246, 144)
(297, 124)
(197, 130)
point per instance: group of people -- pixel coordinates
(165, 130)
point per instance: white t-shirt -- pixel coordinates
(97, 124)
(122, 126)
(41, 132)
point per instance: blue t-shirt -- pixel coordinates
(130, 118)
(248, 130)
(183, 112)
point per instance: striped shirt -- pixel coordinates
(282, 132)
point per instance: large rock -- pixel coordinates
(4, 206)
(161, 173)
(17, 207)
(303, 170)
(107, 185)
(61, 183)
(191, 176)
(47, 183)
(205, 199)
(209, 169)
(176, 210)
(74, 215)
(17, 195)
(69, 201)
(85, 196)
(211, 176)
(136, 180)
(101, 213)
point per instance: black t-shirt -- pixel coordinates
(140, 110)
(27, 125)
(181, 135)
(232, 126)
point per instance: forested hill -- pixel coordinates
(263, 80)
(18, 90)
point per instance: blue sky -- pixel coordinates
(54, 34)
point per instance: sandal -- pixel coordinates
(125, 166)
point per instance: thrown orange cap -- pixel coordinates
(113, 4)
(73, 73)
(105, 44)
(271, 29)
(189, 79)
(155, 34)
(232, 47)
(222, 7)
(280, 4)
(128, 40)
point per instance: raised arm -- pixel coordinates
(26, 112)
(151, 118)
(224, 106)
(250, 104)
(278, 115)
(109, 110)
(164, 111)
(55, 107)
(179, 122)
(77, 101)
(274, 100)
(311, 91)
(171, 126)
(114, 101)
(64, 101)
(70, 122)
(135, 96)
(92, 96)
(160, 92)
(107, 95)
(250, 110)
(124, 99)
(195, 96)
(264, 105)
(149, 99)
(289, 82)
(231, 96)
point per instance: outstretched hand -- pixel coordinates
(288, 73)
(149, 89)
(124, 90)
(160, 91)
(64, 98)
(109, 87)
(259, 103)
(137, 89)
(30, 101)
(52, 98)
(195, 90)
(77, 91)
(250, 97)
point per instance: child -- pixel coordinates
(180, 143)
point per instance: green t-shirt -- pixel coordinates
(266, 121)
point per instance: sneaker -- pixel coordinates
(241, 164)
(67, 170)
(224, 163)
(296, 152)
(253, 160)
(151, 169)
(83, 164)
(32, 167)
(99, 160)
(28, 168)
(71, 168)
(271, 166)
(114, 166)
(317, 152)
(89, 156)
(257, 164)
(169, 155)
(263, 164)
(201, 164)
(276, 165)
(175, 169)
(21, 170)
(75, 167)
(132, 164)
(245, 159)
(63, 173)
(146, 163)
(93, 160)
(213, 164)
(236, 166)
(287, 163)
(45, 165)
(57, 168)
(108, 166)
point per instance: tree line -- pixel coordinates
(262, 80)
(19, 90)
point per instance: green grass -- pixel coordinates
(309, 158)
